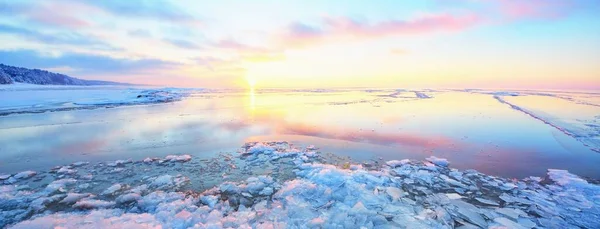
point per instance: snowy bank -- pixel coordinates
(27, 98)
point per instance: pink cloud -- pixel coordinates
(60, 14)
(251, 53)
(343, 28)
(519, 9)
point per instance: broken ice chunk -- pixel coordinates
(66, 170)
(453, 196)
(394, 192)
(92, 204)
(74, 197)
(168, 181)
(178, 158)
(438, 161)
(59, 185)
(509, 212)
(79, 163)
(119, 163)
(508, 223)
(486, 201)
(24, 175)
(564, 178)
(127, 198)
(112, 189)
(396, 163)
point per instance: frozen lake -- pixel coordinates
(473, 129)
(120, 157)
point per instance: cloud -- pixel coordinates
(251, 53)
(79, 63)
(515, 10)
(344, 28)
(216, 64)
(184, 44)
(55, 14)
(148, 9)
(61, 38)
(139, 33)
(75, 14)
(540, 9)
(398, 51)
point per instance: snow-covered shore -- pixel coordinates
(276, 185)
(29, 98)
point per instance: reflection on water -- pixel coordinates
(471, 130)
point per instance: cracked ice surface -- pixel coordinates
(296, 188)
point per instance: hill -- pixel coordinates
(11, 74)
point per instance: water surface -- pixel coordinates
(472, 130)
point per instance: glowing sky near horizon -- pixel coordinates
(551, 44)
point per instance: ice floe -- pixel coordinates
(298, 188)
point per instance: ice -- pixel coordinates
(128, 198)
(79, 163)
(396, 163)
(453, 196)
(109, 218)
(168, 181)
(74, 197)
(119, 163)
(486, 201)
(509, 212)
(564, 178)
(294, 190)
(59, 185)
(552, 108)
(93, 204)
(178, 158)
(438, 161)
(508, 223)
(66, 170)
(28, 98)
(112, 189)
(24, 175)
(4, 176)
(395, 193)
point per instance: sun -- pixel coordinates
(251, 82)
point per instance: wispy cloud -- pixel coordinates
(251, 53)
(139, 33)
(399, 51)
(149, 9)
(57, 38)
(79, 63)
(345, 28)
(184, 44)
(544, 9)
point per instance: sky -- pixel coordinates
(517, 44)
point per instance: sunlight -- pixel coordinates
(251, 82)
(252, 98)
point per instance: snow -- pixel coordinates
(28, 98)
(300, 191)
